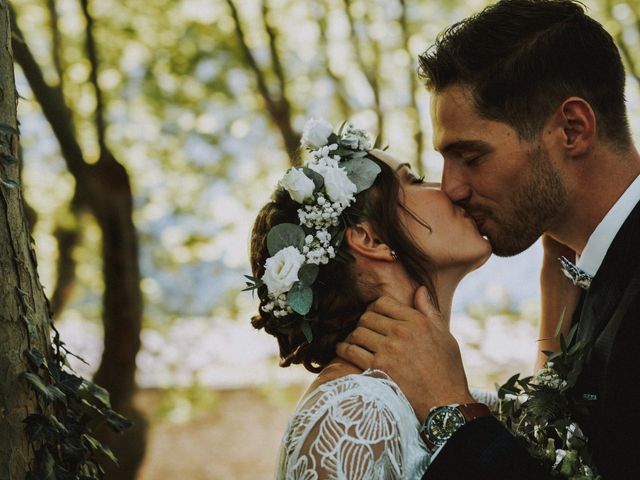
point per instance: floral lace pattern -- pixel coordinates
(354, 427)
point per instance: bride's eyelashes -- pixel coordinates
(415, 179)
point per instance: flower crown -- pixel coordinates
(336, 170)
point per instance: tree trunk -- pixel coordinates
(105, 188)
(24, 310)
(112, 204)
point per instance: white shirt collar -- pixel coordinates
(601, 238)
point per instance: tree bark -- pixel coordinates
(24, 312)
(105, 189)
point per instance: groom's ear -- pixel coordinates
(577, 125)
(363, 241)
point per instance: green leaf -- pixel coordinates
(306, 330)
(108, 453)
(36, 359)
(342, 125)
(57, 425)
(336, 240)
(49, 392)
(308, 273)
(99, 393)
(560, 322)
(362, 172)
(117, 422)
(318, 180)
(8, 129)
(47, 464)
(285, 235)
(8, 159)
(344, 257)
(70, 384)
(37, 428)
(253, 283)
(509, 387)
(572, 334)
(300, 298)
(9, 183)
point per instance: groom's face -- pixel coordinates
(509, 186)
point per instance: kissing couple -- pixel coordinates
(356, 259)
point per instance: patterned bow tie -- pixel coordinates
(573, 273)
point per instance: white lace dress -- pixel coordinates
(358, 426)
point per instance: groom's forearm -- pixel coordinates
(484, 450)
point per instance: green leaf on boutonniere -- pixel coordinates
(509, 387)
(308, 273)
(362, 172)
(285, 235)
(560, 322)
(300, 298)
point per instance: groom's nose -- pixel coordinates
(454, 183)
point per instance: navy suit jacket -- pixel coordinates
(608, 316)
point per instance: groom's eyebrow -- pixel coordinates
(462, 145)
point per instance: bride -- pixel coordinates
(352, 224)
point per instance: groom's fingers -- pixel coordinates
(355, 354)
(396, 311)
(366, 338)
(376, 322)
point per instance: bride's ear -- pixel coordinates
(362, 240)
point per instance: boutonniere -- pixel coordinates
(542, 410)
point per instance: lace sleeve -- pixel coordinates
(351, 432)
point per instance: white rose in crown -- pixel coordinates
(336, 183)
(316, 133)
(299, 186)
(281, 270)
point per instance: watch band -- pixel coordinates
(471, 411)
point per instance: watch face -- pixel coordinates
(442, 423)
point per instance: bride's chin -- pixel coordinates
(482, 258)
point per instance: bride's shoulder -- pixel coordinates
(333, 371)
(341, 380)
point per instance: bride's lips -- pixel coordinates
(479, 220)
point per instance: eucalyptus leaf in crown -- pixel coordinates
(325, 187)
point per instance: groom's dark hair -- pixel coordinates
(522, 58)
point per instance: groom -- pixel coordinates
(529, 114)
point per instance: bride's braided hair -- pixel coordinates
(343, 297)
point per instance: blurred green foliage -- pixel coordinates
(187, 117)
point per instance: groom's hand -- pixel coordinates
(414, 347)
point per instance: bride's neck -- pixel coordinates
(403, 289)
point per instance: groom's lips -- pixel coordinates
(479, 219)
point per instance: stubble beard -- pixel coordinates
(534, 207)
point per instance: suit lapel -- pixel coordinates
(607, 288)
